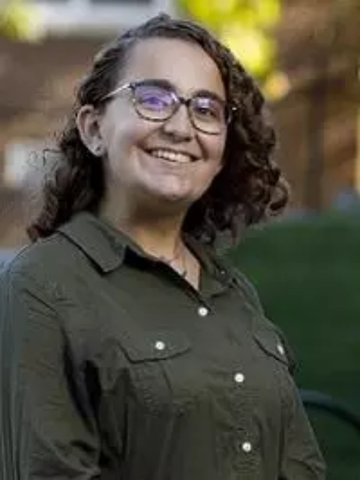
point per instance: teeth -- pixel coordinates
(171, 156)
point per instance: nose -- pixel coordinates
(179, 124)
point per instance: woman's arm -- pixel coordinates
(302, 459)
(44, 431)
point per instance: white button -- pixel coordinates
(160, 345)
(203, 311)
(280, 349)
(247, 447)
(239, 377)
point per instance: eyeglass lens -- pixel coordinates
(154, 102)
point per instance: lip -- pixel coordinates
(193, 157)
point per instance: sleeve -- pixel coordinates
(302, 459)
(44, 432)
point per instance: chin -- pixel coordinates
(171, 200)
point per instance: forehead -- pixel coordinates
(184, 64)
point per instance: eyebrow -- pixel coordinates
(209, 94)
(162, 82)
(157, 82)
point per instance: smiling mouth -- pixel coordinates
(171, 155)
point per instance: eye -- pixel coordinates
(152, 97)
(208, 108)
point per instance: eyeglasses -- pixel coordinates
(157, 101)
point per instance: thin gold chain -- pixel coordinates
(170, 261)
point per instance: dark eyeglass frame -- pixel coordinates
(178, 101)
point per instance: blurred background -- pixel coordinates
(305, 55)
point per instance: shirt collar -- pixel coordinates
(107, 247)
(101, 242)
(216, 277)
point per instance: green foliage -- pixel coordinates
(244, 26)
(18, 20)
(307, 274)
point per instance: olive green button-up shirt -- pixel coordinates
(114, 368)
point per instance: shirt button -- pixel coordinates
(280, 349)
(160, 345)
(247, 447)
(239, 377)
(203, 311)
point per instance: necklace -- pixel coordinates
(170, 261)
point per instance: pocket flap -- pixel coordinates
(270, 342)
(152, 346)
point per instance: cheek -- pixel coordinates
(216, 149)
(122, 129)
(122, 139)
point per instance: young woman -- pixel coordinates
(128, 350)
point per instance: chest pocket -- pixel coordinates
(157, 366)
(269, 342)
(155, 346)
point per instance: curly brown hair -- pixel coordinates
(249, 186)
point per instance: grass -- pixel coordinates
(307, 272)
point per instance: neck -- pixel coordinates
(161, 239)
(158, 235)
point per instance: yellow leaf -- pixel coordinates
(267, 11)
(276, 86)
(254, 50)
(19, 19)
(242, 25)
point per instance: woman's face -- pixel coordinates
(168, 160)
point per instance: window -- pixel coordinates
(21, 160)
(105, 16)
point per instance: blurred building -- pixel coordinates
(37, 81)
(317, 120)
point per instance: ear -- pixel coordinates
(88, 124)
